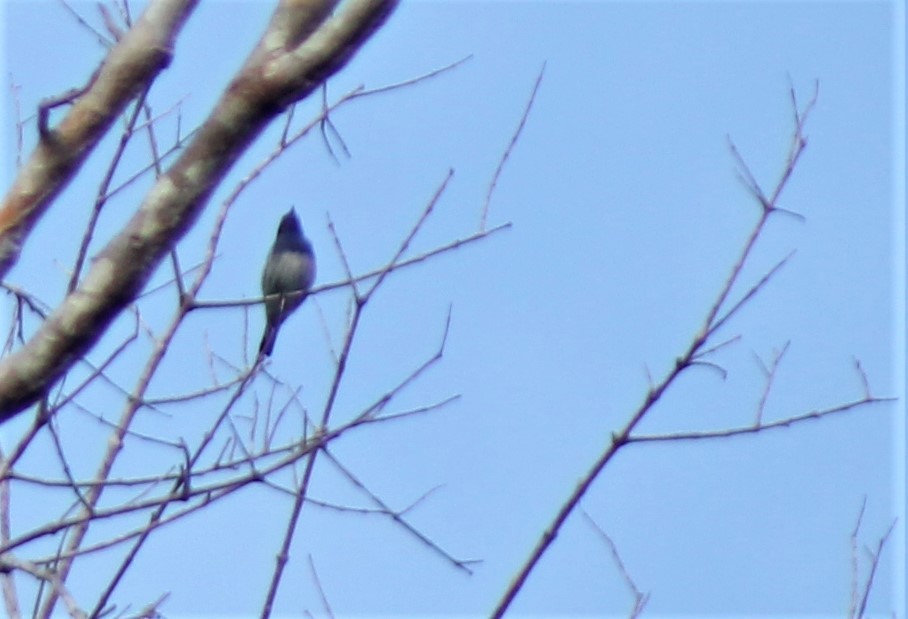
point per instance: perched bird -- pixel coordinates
(289, 272)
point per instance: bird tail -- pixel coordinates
(268, 338)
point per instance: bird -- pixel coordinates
(289, 272)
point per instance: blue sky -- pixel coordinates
(627, 217)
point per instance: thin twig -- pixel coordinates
(350, 281)
(874, 564)
(756, 429)
(507, 152)
(770, 373)
(640, 598)
(321, 589)
(855, 573)
(397, 517)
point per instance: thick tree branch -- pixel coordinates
(129, 68)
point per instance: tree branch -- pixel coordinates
(130, 67)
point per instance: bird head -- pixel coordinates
(290, 225)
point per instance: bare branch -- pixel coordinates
(8, 562)
(782, 423)
(751, 293)
(855, 574)
(398, 517)
(352, 280)
(640, 598)
(859, 601)
(510, 147)
(770, 378)
(130, 67)
(102, 40)
(690, 357)
(321, 590)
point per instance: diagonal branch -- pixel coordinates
(690, 357)
(131, 67)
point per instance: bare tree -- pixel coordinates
(258, 430)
